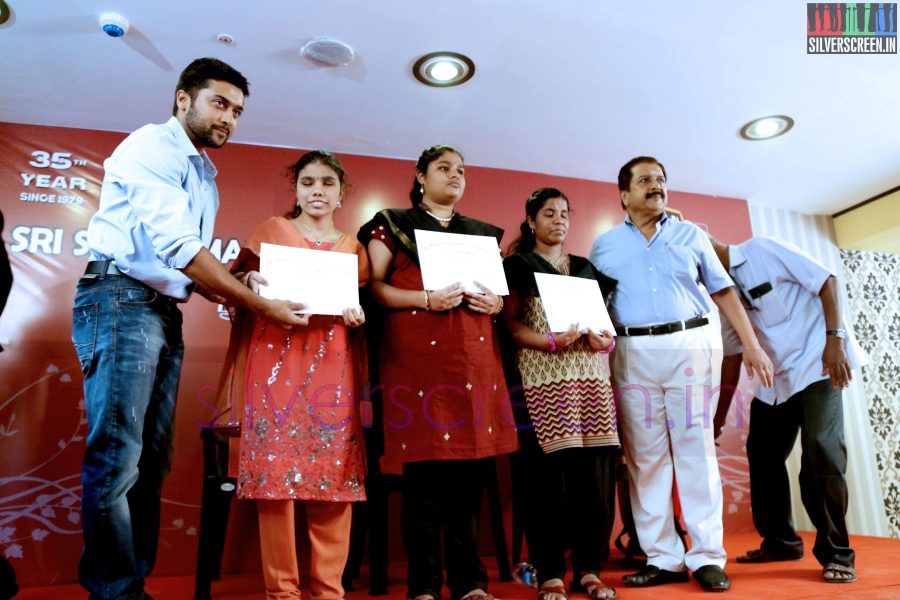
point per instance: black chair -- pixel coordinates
(215, 505)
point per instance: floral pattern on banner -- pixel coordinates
(40, 489)
(874, 296)
(33, 505)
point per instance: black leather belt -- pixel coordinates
(101, 268)
(663, 328)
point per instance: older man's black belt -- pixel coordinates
(663, 328)
(101, 268)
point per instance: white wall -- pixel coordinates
(815, 235)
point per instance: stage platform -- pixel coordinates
(878, 567)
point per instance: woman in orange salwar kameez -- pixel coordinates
(301, 437)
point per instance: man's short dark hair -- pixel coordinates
(196, 75)
(625, 171)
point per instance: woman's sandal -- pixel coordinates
(838, 573)
(596, 589)
(548, 592)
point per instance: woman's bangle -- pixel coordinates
(427, 301)
(499, 306)
(552, 341)
(610, 348)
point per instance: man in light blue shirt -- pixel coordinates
(666, 375)
(792, 302)
(148, 243)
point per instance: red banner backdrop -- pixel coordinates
(49, 187)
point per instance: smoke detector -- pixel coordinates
(113, 24)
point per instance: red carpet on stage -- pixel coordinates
(877, 564)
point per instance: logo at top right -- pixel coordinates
(851, 28)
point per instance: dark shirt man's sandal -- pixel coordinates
(838, 573)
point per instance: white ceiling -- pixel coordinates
(572, 87)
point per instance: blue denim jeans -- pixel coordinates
(128, 340)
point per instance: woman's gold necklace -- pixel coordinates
(553, 262)
(317, 242)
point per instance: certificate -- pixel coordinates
(446, 258)
(573, 300)
(326, 282)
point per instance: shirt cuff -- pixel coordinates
(185, 254)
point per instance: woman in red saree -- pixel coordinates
(301, 437)
(446, 408)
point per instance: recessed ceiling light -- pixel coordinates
(444, 69)
(766, 128)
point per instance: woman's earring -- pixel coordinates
(338, 205)
(532, 231)
(422, 189)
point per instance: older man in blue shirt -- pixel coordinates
(792, 302)
(148, 244)
(666, 371)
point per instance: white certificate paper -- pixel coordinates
(326, 282)
(446, 258)
(571, 300)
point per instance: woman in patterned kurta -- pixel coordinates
(446, 408)
(566, 468)
(301, 437)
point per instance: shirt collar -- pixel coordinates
(735, 257)
(186, 146)
(659, 224)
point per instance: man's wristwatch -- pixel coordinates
(838, 333)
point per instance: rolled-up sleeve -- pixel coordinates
(153, 183)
